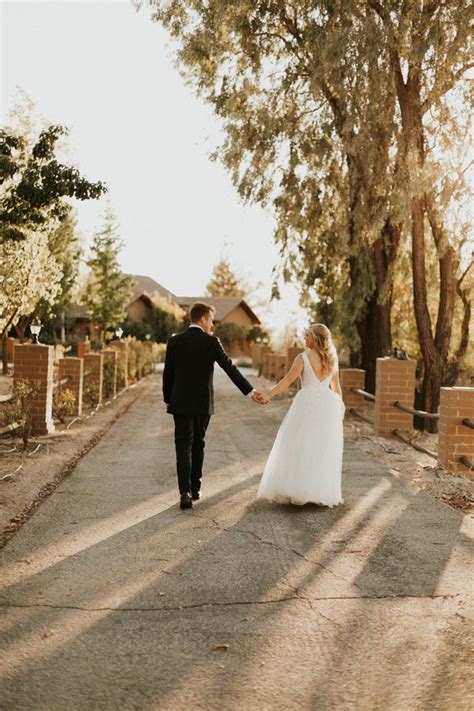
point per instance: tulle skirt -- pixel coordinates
(305, 463)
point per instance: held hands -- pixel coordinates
(260, 398)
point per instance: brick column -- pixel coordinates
(266, 365)
(271, 366)
(74, 368)
(93, 378)
(280, 366)
(394, 380)
(109, 373)
(11, 343)
(83, 348)
(352, 378)
(122, 362)
(454, 438)
(291, 355)
(33, 364)
(262, 352)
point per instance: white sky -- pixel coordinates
(106, 72)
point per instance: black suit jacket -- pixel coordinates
(189, 369)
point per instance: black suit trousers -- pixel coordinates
(189, 434)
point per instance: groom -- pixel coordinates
(189, 395)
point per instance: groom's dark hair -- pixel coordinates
(199, 309)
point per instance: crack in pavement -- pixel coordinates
(274, 545)
(297, 597)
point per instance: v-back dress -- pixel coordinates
(305, 463)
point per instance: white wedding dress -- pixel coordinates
(305, 463)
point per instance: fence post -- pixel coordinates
(454, 438)
(11, 343)
(394, 380)
(83, 348)
(291, 355)
(74, 368)
(93, 377)
(266, 365)
(352, 378)
(33, 363)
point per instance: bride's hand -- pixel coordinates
(265, 399)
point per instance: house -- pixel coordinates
(229, 309)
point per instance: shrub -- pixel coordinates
(64, 401)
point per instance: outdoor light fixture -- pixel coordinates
(148, 336)
(119, 332)
(35, 329)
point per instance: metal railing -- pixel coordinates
(61, 382)
(364, 393)
(419, 413)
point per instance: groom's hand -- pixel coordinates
(259, 397)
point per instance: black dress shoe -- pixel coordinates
(185, 502)
(195, 495)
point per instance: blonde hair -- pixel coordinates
(324, 347)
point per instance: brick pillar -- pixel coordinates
(266, 365)
(352, 378)
(394, 380)
(255, 354)
(33, 364)
(122, 362)
(83, 348)
(93, 378)
(454, 438)
(109, 370)
(11, 343)
(262, 352)
(271, 366)
(280, 366)
(74, 368)
(291, 355)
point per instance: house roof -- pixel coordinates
(147, 285)
(222, 304)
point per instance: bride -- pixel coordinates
(306, 459)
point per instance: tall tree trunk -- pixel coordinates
(412, 125)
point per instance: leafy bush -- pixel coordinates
(18, 410)
(230, 333)
(64, 401)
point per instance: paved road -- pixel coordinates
(113, 598)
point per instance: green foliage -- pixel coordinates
(257, 334)
(230, 333)
(64, 402)
(108, 290)
(108, 378)
(349, 118)
(224, 282)
(65, 247)
(18, 410)
(34, 183)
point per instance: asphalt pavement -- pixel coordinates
(114, 598)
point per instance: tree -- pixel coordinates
(342, 115)
(64, 245)
(28, 274)
(309, 134)
(108, 290)
(33, 183)
(230, 333)
(428, 49)
(224, 282)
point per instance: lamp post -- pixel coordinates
(119, 332)
(35, 329)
